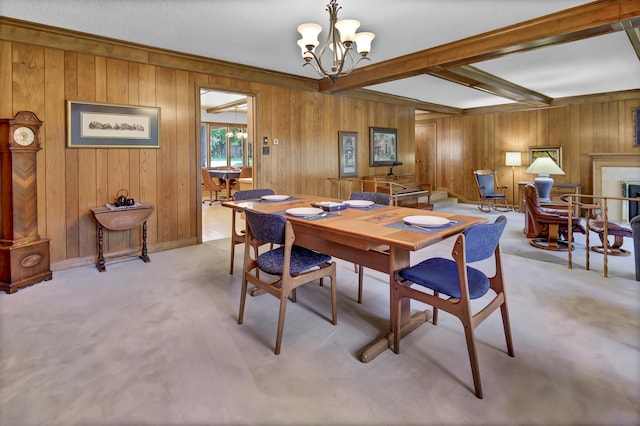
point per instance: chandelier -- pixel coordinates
(339, 40)
(237, 133)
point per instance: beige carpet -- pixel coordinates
(158, 343)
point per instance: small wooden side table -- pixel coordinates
(122, 220)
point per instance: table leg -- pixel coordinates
(144, 255)
(100, 264)
(398, 259)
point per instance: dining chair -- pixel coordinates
(492, 195)
(290, 265)
(212, 185)
(377, 198)
(459, 283)
(238, 237)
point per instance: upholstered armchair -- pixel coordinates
(635, 230)
(547, 226)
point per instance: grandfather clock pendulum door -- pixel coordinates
(24, 255)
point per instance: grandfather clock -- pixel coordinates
(24, 255)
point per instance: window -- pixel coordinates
(222, 150)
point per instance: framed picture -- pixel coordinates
(383, 149)
(555, 152)
(636, 128)
(95, 125)
(348, 151)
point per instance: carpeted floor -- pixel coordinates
(158, 343)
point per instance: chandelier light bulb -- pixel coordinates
(347, 28)
(340, 59)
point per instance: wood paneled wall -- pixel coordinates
(598, 124)
(40, 72)
(41, 68)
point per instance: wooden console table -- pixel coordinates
(122, 220)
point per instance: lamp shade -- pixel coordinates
(543, 167)
(513, 159)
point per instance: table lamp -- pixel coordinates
(513, 159)
(543, 167)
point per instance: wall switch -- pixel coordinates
(276, 141)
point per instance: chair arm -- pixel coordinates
(545, 216)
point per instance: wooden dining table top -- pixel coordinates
(374, 237)
(364, 227)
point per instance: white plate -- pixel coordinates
(359, 203)
(304, 211)
(426, 220)
(275, 197)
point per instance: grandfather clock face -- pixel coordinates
(24, 136)
(24, 132)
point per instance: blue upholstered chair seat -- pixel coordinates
(272, 262)
(441, 275)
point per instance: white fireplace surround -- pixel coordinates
(609, 173)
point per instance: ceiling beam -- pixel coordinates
(633, 32)
(568, 25)
(475, 78)
(227, 106)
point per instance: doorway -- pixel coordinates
(226, 140)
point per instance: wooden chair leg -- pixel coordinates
(434, 319)
(334, 298)
(243, 298)
(473, 358)
(281, 315)
(504, 311)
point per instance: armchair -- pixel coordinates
(459, 284)
(492, 195)
(635, 230)
(547, 226)
(290, 265)
(239, 237)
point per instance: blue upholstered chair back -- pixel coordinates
(251, 194)
(266, 227)
(488, 181)
(481, 240)
(376, 197)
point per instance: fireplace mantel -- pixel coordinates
(615, 160)
(601, 160)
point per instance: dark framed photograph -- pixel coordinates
(96, 125)
(383, 150)
(555, 152)
(348, 151)
(636, 120)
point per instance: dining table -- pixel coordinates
(373, 236)
(225, 175)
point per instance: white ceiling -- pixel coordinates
(263, 34)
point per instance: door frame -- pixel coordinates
(252, 121)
